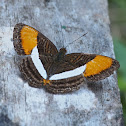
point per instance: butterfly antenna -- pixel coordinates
(76, 39)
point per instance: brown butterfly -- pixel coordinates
(64, 72)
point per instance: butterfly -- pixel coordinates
(64, 72)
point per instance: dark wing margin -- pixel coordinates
(17, 39)
(100, 68)
(45, 46)
(30, 73)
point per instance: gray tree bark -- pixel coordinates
(95, 104)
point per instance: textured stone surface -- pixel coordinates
(95, 104)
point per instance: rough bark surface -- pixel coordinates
(95, 104)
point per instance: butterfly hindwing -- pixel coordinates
(30, 72)
(65, 85)
(47, 62)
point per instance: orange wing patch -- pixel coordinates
(29, 39)
(97, 65)
(46, 82)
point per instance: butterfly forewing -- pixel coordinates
(25, 39)
(47, 50)
(79, 59)
(97, 66)
(45, 46)
(30, 72)
(68, 63)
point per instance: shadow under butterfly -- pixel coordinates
(55, 70)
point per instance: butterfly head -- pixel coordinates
(63, 50)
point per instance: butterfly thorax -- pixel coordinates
(60, 54)
(58, 59)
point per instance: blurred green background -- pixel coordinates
(117, 13)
